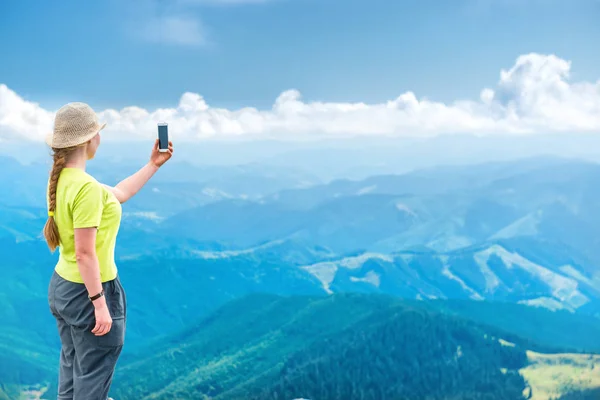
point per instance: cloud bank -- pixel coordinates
(534, 96)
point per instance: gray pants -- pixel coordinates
(87, 361)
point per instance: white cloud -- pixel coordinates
(22, 119)
(534, 96)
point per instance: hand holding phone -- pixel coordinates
(163, 148)
(163, 137)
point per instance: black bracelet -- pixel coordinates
(96, 297)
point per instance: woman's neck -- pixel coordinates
(77, 160)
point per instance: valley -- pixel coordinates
(551, 376)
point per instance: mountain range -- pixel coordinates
(198, 238)
(363, 346)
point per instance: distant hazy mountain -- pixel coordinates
(524, 232)
(355, 158)
(181, 186)
(442, 209)
(493, 271)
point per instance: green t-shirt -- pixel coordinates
(82, 202)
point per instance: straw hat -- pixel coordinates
(74, 124)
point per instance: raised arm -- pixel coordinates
(129, 186)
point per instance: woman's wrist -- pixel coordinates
(154, 166)
(99, 303)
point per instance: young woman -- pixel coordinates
(85, 294)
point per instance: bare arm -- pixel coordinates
(128, 187)
(87, 262)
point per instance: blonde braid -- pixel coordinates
(51, 229)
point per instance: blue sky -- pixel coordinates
(239, 53)
(302, 68)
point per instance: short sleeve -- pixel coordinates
(88, 206)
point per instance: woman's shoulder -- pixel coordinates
(78, 176)
(80, 182)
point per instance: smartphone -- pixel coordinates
(163, 137)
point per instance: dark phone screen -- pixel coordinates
(163, 137)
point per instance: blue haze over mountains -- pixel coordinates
(498, 219)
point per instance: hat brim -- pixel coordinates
(80, 140)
